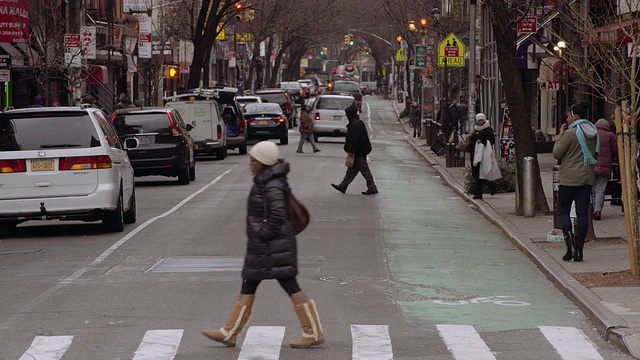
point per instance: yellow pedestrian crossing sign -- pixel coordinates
(451, 50)
(400, 55)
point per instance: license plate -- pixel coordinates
(337, 117)
(43, 165)
(144, 140)
(263, 122)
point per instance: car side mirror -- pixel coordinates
(131, 143)
(189, 127)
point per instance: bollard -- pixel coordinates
(528, 188)
(428, 128)
(556, 186)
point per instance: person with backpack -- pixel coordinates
(271, 250)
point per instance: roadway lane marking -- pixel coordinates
(371, 342)
(570, 343)
(369, 117)
(159, 345)
(262, 342)
(114, 247)
(464, 342)
(47, 348)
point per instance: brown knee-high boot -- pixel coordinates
(237, 320)
(311, 327)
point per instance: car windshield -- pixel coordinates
(262, 108)
(247, 100)
(346, 86)
(292, 85)
(274, 98)
(141, 123)
(333, 103)
(63, 130)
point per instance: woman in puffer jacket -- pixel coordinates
(271, 250)
(576, 151)
(608, 150)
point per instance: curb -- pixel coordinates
(611, 326)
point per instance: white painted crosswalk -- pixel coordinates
(370, 342)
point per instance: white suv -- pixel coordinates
(64, 163)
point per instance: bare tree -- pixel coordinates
(607, 67)
(505, 16)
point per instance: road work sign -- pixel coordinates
(451, 50)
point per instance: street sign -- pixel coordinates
(5, 59)
(451, 50)
(529, 24)
(400, 55)
(5, 75)
(421, 56)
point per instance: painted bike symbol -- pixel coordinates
(498, 300)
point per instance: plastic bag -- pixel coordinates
(489, 169)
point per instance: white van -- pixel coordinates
(209, 131)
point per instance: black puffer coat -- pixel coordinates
(271, 248)
(357, 138)
(487, 136)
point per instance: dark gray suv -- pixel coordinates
(351, 88)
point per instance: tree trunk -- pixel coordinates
(505, 36)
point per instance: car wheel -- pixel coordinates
(184, 177)
(221, 153)
(284, 140)
(192, 173)
(243, 149)
(114, 220)
(130, 215)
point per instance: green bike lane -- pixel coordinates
(448, 264)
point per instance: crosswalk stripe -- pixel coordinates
(571, 343)
(262, 343)
(159, 345)
(47, 348)
(464, 342)
(371, 342)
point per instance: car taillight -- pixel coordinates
(85, 162)
(175, 130)
(10, 166)
(279, 120)
(241, 126)
(317, 117)
(248, 120)
(219, 128)
(301, 92)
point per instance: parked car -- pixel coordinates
(368, 87)
(165, 145)
(209, 131)
(282, 98)
(329, 118)
(351, 88)
(295, 90)
(64, 163)
(266, 121)
(229, 109)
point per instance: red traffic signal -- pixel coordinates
(239, 6)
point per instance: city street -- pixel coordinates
(411, 273)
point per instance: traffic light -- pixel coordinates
(351, 42)
(367, 50)
(423, 27)
(323, 50)
(240, 15)
(171, 71)
(346, 39)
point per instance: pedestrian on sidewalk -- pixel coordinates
(357, 146)
(483, 133)
(603, 168)
(271, 250)
(415, 120)
(576, 152)
(306, 129)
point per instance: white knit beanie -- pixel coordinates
(480, 116)
(265, 152)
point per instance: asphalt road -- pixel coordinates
(411, 273)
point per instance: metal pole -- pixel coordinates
(528, 188)
(471, 111)
(556, 187)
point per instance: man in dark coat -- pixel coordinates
(451, 120)
(357, 143)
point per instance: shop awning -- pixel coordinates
(614, 33)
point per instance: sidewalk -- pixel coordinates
(614, 311)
